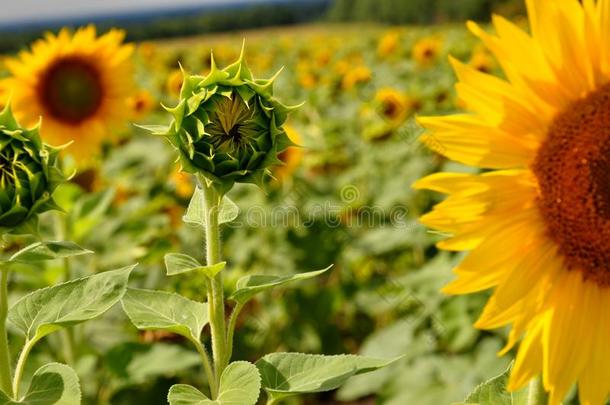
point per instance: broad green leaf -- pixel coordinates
(48, 251)
(137, 363)
(89, 211)
(248, 286)
(195, 213)
(178, 263)
(49, 309)
(183, 394)
(52, 384)
(240, 384)
(286, 374)
(494, 392)
(149, 309)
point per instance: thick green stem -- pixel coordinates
(536, 395)
(216, 304)
(23, 357)
(5, 357)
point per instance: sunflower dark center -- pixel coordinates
(573, 171)
(391, 109)
(71, 90)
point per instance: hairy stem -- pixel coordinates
(216, 304)
(231, 330)
(207, 366)
(536, 394)
(23, 357)
(5, 357)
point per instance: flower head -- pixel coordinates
(78, 83)
(28, 174)
(227, 126)
(537, 222)
(388, 44)
(425, 51)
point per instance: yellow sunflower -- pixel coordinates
(481, 60)
(355, 76)
(291, 157)
(388, 44)
(173, 84)
(425, 51)
(392, 104)
(141, 103)
(538, 225)
(78, 83)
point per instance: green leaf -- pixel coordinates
(287, 374)
(183, 394)
(240, 384)
(89, 211)
(149, 309)
(137, 363)
(195, 213)
(178, 263)
(248, 286)
(48, 251)
(52, 384)
(494, 392)
(49, 309)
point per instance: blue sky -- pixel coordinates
(17, 11)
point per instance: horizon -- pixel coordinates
(35, 12)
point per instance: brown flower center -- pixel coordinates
(71, 90)
(573, 171)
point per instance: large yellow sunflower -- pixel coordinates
(538, 225)
(78, 83)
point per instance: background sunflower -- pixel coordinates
(79, 83)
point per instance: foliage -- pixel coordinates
(348, 202)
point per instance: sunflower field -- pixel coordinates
(326, 213)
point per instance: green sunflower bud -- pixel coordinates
(227, 126)
(28, 175)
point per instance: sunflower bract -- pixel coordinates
(227, 126)
(28, 174)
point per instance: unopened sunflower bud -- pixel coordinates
(227, 126)
(28, 174)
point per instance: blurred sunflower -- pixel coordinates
(182, 183)
(392, 104)
(4, 95)
(291, 157)
(78, 83)
(147, 50)
(141, 103)
(307, 78)
(388, 44)
(481, 60)
(538, 226)
(356, 75)
(173, 83)
(425, 51)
